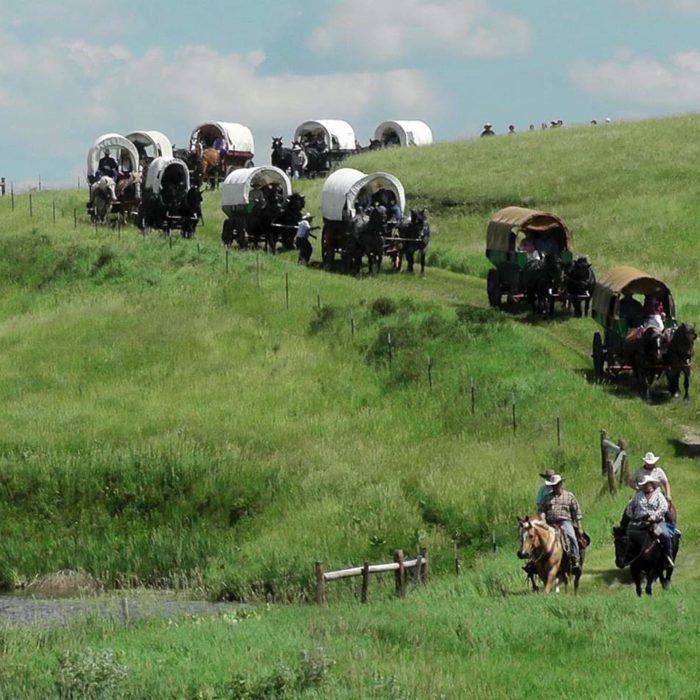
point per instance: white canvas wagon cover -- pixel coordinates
(239, 183)
(343, 187)
(166, 168)
(339, 135)
(155, 143)
(112, 142)
(237, 136)
(409, 133)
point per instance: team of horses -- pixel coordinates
(548, 280)
(652, 353)
(269, 219)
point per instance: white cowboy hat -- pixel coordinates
(646, 479)
(553, 480)
(650, 458)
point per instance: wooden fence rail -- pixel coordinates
(616, 470)
(419, 565)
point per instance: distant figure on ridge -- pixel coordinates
(488, 130)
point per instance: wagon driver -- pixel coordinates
(561, 509)
(107, 165)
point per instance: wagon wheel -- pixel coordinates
(598, 355)
(249, 163)
(493, 288)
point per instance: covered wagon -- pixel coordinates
(532, 258)
(350, 203)
(233, 141)
(325, 142)
(151, 144)
(169, 200)
(113, 173)
(403, 133)
(260, 207)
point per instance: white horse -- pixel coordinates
(103, 195)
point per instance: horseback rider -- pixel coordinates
(543, 490)
(649, 469)
(648, 507)
(561, 509)
(107, 165)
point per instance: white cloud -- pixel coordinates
(58, 96)
(632, 79)
(393, 29)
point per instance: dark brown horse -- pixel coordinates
(646, 351)
(281, 157)
(543, 545)
(679, 358)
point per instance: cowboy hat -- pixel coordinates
(650, 458)
(646, 479)
(553, 480)
(548, 474)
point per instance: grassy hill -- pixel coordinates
(169, 419)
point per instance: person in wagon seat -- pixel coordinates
(560, 508)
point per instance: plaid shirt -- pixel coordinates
(561, 507)
(642, 509)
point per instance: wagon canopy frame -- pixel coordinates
(110, 142)
(161, 168)
(618, 280)
(500, 234)
(344, 186)
(238, 137)
(240, 183)
(157, 141)
(343, 133)
(409, 133)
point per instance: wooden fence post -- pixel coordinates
(603, 453)
(624, 466)
(2, 186)
(424, 565)
(320, 584)
(400, 573)
(286, 288)
(365, 582)
(430, 373)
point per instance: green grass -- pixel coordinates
(170, 423)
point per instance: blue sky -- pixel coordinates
(71, 71)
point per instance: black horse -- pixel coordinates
(544, 282)
(283, 228)
(679, 358)
(580, 282)
(191, 160)
(367, 230)
(647, 355)
(317, 160)
(250, 228)
(642, 550)
(281, 157)
(415, 235)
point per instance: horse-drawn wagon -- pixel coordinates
(403, 133)
(216, 149)
(260, 207)
(150, 145)
(169, 200)
(114, 177)
(325, 142)
(352, 204)
(532, 258)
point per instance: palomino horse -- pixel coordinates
(679, 358)
(103, 196)
(543, 545)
